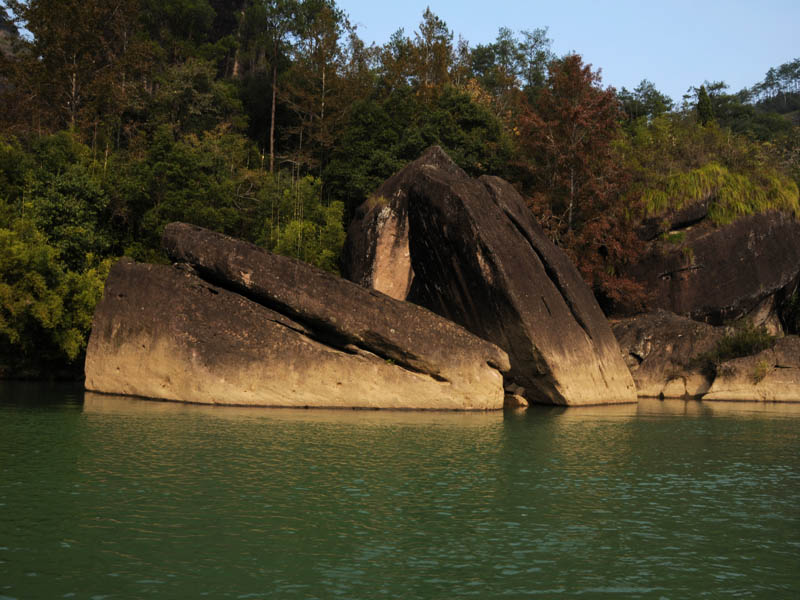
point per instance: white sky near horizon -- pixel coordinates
(675, 44)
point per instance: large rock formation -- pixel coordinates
(675, 357)
(662, 351)
(478, 257)
(339, 311)
(772, 375)
(720, 274)
(296, 336)
(376, 252)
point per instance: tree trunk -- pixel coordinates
(571, 197)
(272, 120)
(236, 66)
(322, 124)
(73, 93)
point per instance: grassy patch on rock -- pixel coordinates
(732, 194)
(744, 340)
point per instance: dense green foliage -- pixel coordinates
(673, 162)
(384, 134)
(705, 112)
(45, 307)
(270, 120)
(67, 214)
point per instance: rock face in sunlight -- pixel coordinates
(251, 328)
(477, 256)
(771, 375)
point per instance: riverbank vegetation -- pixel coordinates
(743, 340)
(271, 120)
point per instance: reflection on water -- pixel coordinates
(104, 403)
(125, 498)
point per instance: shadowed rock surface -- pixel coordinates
(163, 332)
(376, 253)
(719, 274)
(479, 258)
(659, 349)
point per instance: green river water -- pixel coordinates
(108, 497)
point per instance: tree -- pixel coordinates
(279, 23)
(395, 60)
(644, 101)
(497, 65)
(509, 66)
(535, 54)
(567, 140)
(264, 51)
(705, 112)
(191, 99)
(314, 83)
(179, 27)
(74, 70)
(45, 309)
(433, 51)
(384, 133)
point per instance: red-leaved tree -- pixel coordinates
(574, 176)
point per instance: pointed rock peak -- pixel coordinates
(435, 156)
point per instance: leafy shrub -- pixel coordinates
(745, 340)
(674, 163)
(45, 310)
(674, 237)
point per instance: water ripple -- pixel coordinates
(130, 499)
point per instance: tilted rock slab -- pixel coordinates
(163, 332)
(478, 257)
(719, 274)
(340, 313)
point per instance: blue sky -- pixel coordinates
(673, 43)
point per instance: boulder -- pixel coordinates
(164, 332)
(478, 257)
(339, 311)
(771, 375)
(662, 350)
(671, 357)
(720, 274)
